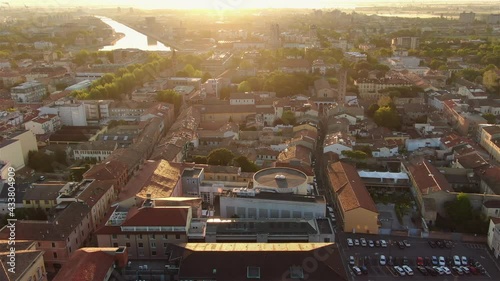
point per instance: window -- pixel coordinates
(141, 245)
(114, 236)
(165, 236)
(128, 236)
(28, 202)
(140, 236)
(46, 201)
(177, 236)
(115, 244)
(127, 244)
(39, 244)
(53, 245)
(153, 253)
(152, 236)
(153, 244)
(55, 255)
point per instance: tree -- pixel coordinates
(200, 160)
(459, 210)
(387, 117)
(372, 109)
(60, 156)
(40, 161)
(384, 101)
(205, 77)
(490, 118)
(170, 96)
(220, 156)
(244, 87)
(355, 154)
(491, 81)
(288, 117)
(245, 164)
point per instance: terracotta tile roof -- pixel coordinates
(94, 192)
(496, 220)
(350, 189)
(231, 261)
(86, 264)
(57, 229)
(157, 216)
(157, 178)
(24, 261)
(491, 176)
(46, 191)
(110, 170)
(427, 178)
(297, 152)
(492, 130)
(472, 161)
(492, 204)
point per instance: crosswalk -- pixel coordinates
(475, 246)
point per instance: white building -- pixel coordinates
(241, 99)
(97, 150)
(494, 236)
(44, 124)
(272, 205)
(337, 143)
(28, 92)
(71, 114)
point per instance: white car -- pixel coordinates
(442, 261)
(356, 242)
(438, 270)
(330, 209)
(383, 243)
(399, 270)
(371, 244)
(464, 260)
(363, 242)
(446, 270)
(456, 261)
(356, 270)
(351, 260)
(465, 269)
(382, 260)
(349, 242)
(408, 270)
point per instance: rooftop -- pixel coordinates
(279, 178)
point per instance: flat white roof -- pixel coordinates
(383, 175)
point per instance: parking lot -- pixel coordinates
(418, 248)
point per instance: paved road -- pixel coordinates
(419, 248)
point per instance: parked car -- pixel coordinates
(456, 261)
(420, 261)
(383, 243)
(364, 269)
(464, 260)
(434, 260)
(448, 244)
(465, 269)
(407, 270)
(356, 270)
(363, 242)
(423, 270)
(457, 270)
(427, 261)
(406, 243)
(401, 245)
(377, 243)
(446, 270)
(405, 261)
(438, 270)
(371, 244)
(431, 270)
(356, 242)
(399, 270)
(351, 260)
(442, 261)
(382, 260)
(349, 242)
(473, 270)
(432, 244)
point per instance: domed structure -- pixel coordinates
(281, 180)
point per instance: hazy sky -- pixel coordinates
(220, 4)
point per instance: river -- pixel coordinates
(131, 39)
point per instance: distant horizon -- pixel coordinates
(230, 4)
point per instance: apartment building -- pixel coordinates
(28, 92)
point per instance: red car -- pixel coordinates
(420, 261)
